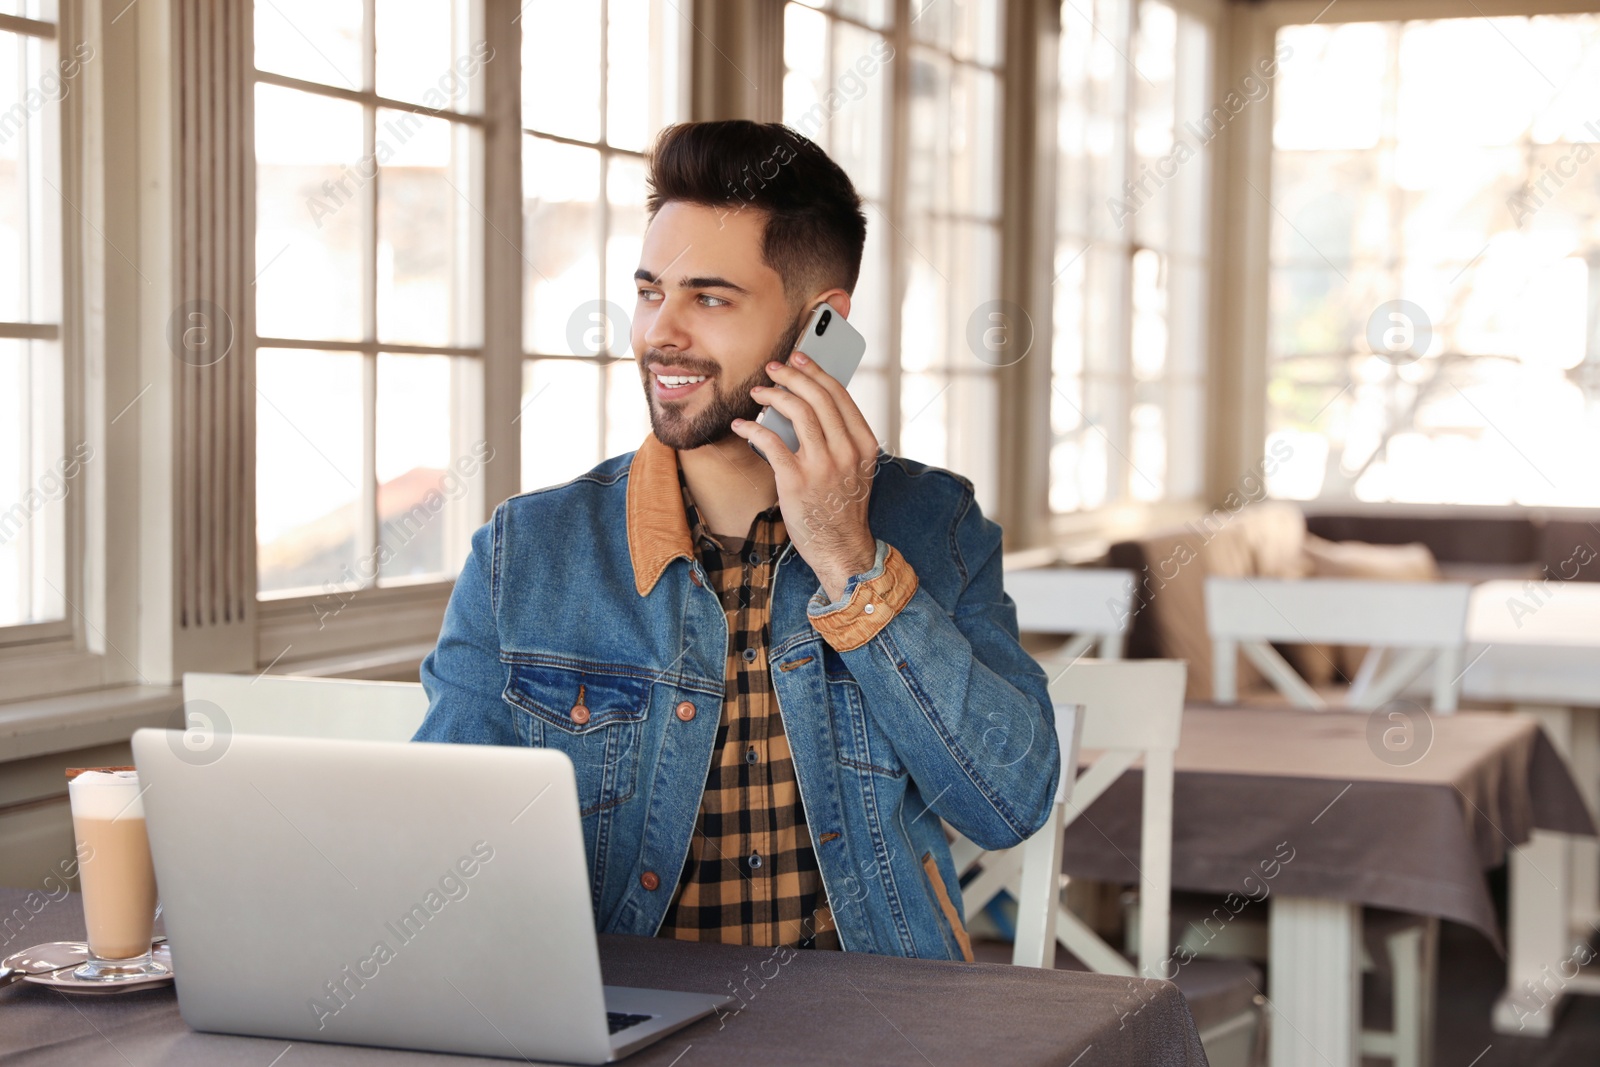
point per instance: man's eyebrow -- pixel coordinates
(702, 282)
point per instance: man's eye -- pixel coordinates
(648, 295)
(712, 301)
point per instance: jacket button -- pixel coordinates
(694, 576)
(686, 711)
(649, 880)
(580, 714)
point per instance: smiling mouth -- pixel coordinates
(674, 386)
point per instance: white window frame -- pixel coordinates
(96, 645)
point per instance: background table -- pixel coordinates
(819, 1008)
(1537, 647)
(1254, 785)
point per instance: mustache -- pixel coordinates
(655, 357)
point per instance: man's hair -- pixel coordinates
(815, 228)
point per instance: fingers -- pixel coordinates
(783, 461)
(855, 423)
(812, 391)
(795, 408)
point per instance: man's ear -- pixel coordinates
(837, 299)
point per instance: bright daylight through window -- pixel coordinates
(1135, 125)
(599, 79)
(37, 463)
(368, 265)
(1435, 262)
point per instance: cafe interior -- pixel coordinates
(1263, 337)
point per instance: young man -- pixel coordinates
(774, 680)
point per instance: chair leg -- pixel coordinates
(1413, 957)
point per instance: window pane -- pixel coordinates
(317, 40)
(805, 85)
(428, 227)
(561, 185)
(16, 128)
(924, 408)
(308, 471)
(560, 420)
(643, 94)
(860, 110)
(625, 191)
(561, 68)
(430, 460)
(877, 13)
(309, 201)
(974, 404)
(1432, 290)
(627, 411)
(30, 238)
(425, 55)
(37, 471)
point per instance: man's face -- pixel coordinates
(710, 316)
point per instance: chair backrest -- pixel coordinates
(1091, 604)
(1132, 711)
(289, 706)
(1425, 621)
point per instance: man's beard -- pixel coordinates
(677, 431)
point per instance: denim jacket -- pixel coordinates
(585, 601)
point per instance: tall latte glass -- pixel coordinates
(116, 875)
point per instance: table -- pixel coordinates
(818, 1008)
(1299, 811)
(1536, 646)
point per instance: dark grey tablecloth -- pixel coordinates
(1257, 785)
(821, 1008)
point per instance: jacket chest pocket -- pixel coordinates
(596, 718)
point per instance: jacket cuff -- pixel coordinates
(870, 601)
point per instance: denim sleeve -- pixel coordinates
(463, 675)
(967, 710)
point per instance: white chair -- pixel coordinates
(288, 706)
(1132, 711)
(1092, 605)
(1420, 622)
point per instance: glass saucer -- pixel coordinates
(63, 956)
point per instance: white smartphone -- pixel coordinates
(835, 346)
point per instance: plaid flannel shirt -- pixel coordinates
(751, 875)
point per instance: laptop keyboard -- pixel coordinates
(621, 1020)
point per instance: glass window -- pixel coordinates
(930, 392)
(838, 91)
(369, 247)
(598, 81)
(38, 466)
(1433, 261)
(1135, 123)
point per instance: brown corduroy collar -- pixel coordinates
(658, 529)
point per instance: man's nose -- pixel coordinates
(667, 327)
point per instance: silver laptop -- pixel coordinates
(410, 895)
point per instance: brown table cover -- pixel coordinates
(818, 1008)
(1307, 804)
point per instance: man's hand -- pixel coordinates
(823, 488)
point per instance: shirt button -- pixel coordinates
(749, 655)
(755, 560)
(580, 714)
(754, 860)
(686, 711)
(752, 756)
(649, 880)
